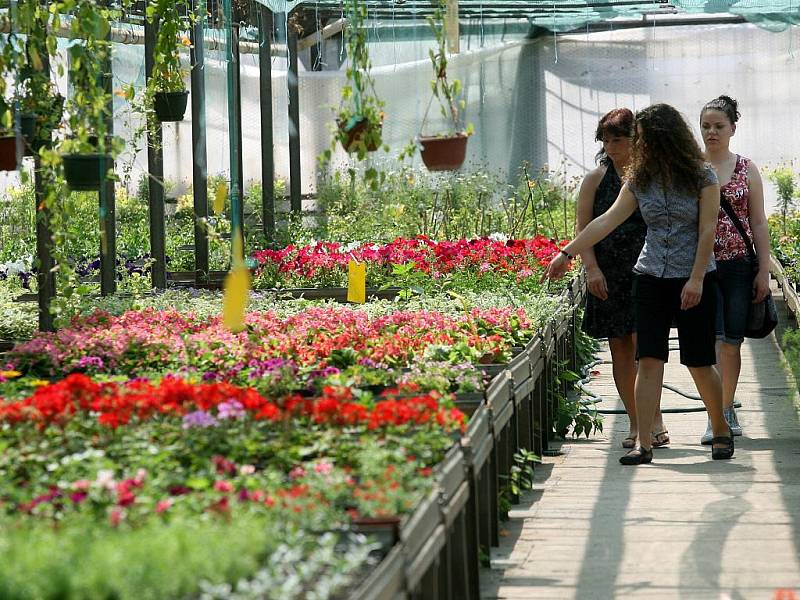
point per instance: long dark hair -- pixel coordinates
(665, 151)
(615, 122)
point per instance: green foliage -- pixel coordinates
(89, 105)
(791, 349)
(167, 72)
(461, 205)
(157, 560)
(784, 179)
(447, 93)
(359, 119)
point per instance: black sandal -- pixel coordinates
(637, 456)
(724, 452)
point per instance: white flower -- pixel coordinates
(498, 237)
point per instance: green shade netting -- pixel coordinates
(560, 15)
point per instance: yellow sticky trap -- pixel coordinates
(237, 288)
(356, 282)
(220, 198)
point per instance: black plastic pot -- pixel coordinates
(86, 172)
(27, 123)
(444, 153)
(170, 106)
(8, 153)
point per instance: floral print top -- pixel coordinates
(729, 244)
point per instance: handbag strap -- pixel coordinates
(726, 206)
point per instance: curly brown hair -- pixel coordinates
(665, 151)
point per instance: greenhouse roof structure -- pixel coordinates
(566, 15)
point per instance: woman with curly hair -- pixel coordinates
(743, 190)
(609, 264)
(674, 277)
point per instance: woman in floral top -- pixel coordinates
(674, 277)
(741, 186)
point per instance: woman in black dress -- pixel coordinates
(609, 264)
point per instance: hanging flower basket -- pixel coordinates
(170, 106)
(8, 153)
(360, 131)
(444, 153)
(86, 172)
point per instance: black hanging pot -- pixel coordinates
(27, 122)
(170, 106)
(86, 172)
(8, 153)
(444, 153)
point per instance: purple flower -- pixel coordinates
(211, 376)
(91, 361)
(230, 410)
(198, 418)
(326, 372)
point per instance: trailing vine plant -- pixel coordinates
(359, 119)
(446, 91)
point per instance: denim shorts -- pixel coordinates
(657, 303)
(734, 295)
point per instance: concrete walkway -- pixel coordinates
(683, 527)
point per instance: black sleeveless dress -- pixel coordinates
(616, 256)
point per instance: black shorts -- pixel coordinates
(657, 303)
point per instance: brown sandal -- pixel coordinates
(660, 439)
(629, 442)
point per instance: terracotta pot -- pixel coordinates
(170, 106)
(444, 153)
(8, 153)
(356, 134)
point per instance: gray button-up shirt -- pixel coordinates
(672, 219)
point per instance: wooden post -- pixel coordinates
(451, 27)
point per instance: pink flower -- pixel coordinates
(323, 468)
(81, 485)
(297, 473)
(223, 486)
(163, 505)
(247, 469)
(116, 516)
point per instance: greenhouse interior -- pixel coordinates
(382, 299)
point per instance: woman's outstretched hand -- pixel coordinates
(557, 267)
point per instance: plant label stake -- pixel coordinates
(356, 282)
(237, 288)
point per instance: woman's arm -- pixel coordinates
(595, 231)
(708, 213)
(595, 280)
(758, 225)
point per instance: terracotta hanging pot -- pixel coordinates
(8, 153)
(444, 153)
(170, 106)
